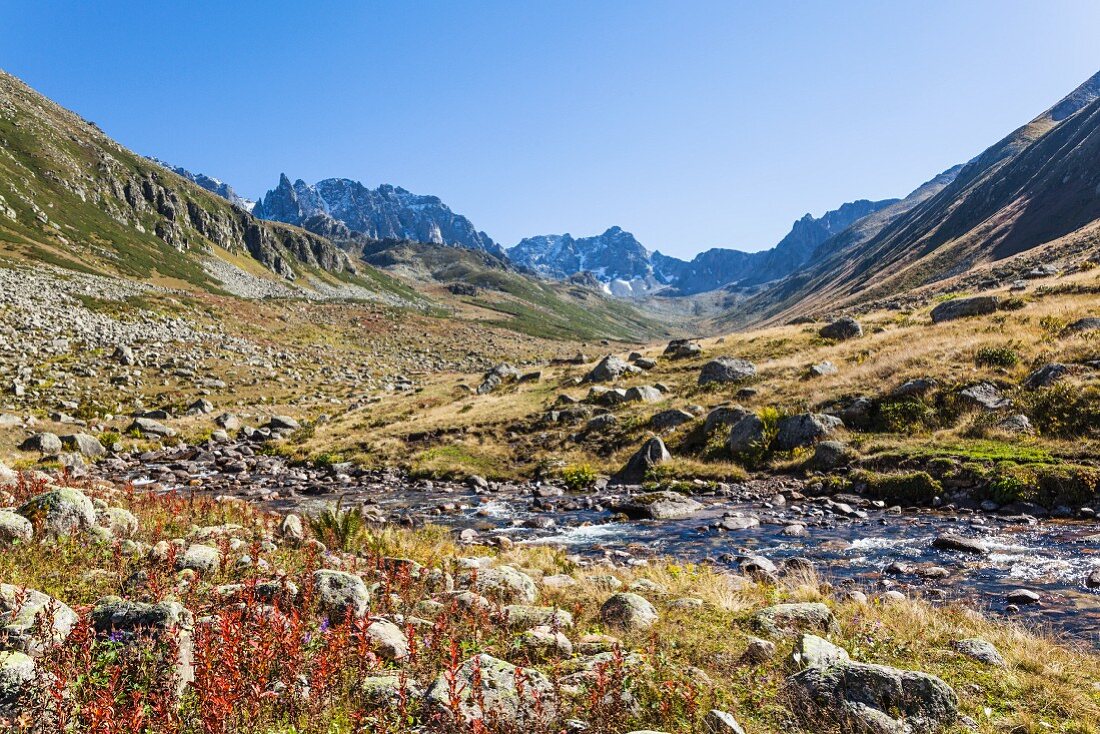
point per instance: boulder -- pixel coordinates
(43, 443)
(829, 455)
(843, 328)
(544, 642)
(984, 395)
(19, 609)
(283, 423)
(720, 722)
(200, 558)
(723, 415)
(60, 511)
(747, 435)
(981, 650)
(726, 370)
(953, 542)
(388, 640)
(859, 697)
(668, 419)
(503, 583)
(84, 444)
(682, 348)
(1045, 376)
(788, 619)
(813, 651)
(525, 616)
(14, 528)
(800, 431)
(121, 522)
(341, 595)
(642, 394)
(150, 429)
(16, 675)
(651, 454)
(381, 691)
(628, 611)
(504, 695)
(1080, 326)
(609, 368)
(958, 308)
(660, 506)
(822, 369)
(131, 622)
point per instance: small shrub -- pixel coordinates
(337, 526)
(1046, 485)
(1065, 410)
(578, 477)
(1004, 356)
(899, 416)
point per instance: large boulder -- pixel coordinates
(1081, 326)
(958, 308)
(682, 348)
(788, 619)
(659, 506)
(723, 415)
(136, 623)
(200, 557)
(609, 368)
(985, 396)
(60, 511)
(493, 690)
(19, 610)
(800, 431)
(84, 444)
(16, 674)
(651, 454)
(388, 640)
(747, 435)
(1045, 376)
(726, 370)
(841, 329)
(503, 583)
(859, 697)
(628, 611)
(668, 419)
(341, 595)
(43, 443)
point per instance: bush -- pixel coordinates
(1046, 485)
(337, 526)
(909, 488)
(578, 477)
(898, 416)
(1065, 409)
(996, 357)
(760, 451)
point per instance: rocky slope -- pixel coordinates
(72, 196)
(387, 212)
(615, 258)
(1038, 185)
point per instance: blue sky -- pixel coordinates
(691, 124)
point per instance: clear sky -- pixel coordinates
(691, 124)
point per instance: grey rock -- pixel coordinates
(813, 651)
(1022, 596)
(986, 396)
(14, 528)
(607, 369)
(149, 428)
(841, 329)
(954, 542)
(503, 583)
(1081, 326)
(199, 557)
(60, 511)
(651, 454)
(86, 445)
(981, 650)
(43, 443)
(19, 611)
(829, 455)
(724, 415)
(721, 722)
(668, 419)
(660, 506)
(682, 348)
(1045, 376)
(629, 611)
(747, 435)
(497, 698)
(283, 423)
(823, 369)
(958, 308)
(788, 619)
(726, 370)
(341, 595)
(16, 676)
(800, 431)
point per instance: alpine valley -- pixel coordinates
(333, 461)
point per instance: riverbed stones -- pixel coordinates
(981, 650)
(503, 583)
(628, 610)
(663, 505)
(488, 689)
(860, 697)
(726, 370)
(1022, 596)
(19, 609)
(43, 443)
(14, 528)
(843, 328)
(800, 431)
(651, 454)
(341, 595)
(958, 308)
(60, 511)
(782, 620)
(955, 542)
